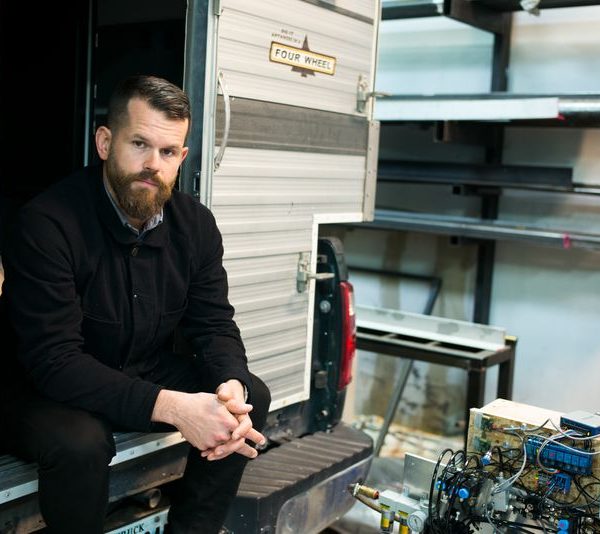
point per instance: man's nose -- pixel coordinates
(152, 161)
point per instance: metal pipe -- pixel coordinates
(584, 107)
(149, 499)
(479, 229)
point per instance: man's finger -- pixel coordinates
(238, 407)
(244, 427)
(229, 390)
(255, 436)
(244, 450)
(225, 449)
(224, 393)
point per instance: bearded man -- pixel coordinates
(100, 271)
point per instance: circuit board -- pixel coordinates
(503, 431)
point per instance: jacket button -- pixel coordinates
(134, 251)
(135, 296)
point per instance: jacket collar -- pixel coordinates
(158, 237)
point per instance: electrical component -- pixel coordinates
(519, 473)
(556, 455)
(586, 423)
(482, 422)
(480, 444)
(562, 482)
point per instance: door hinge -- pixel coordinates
(217, 7)
(304, 275)
(363, 93)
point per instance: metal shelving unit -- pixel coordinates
(456, 118)
(483, 117)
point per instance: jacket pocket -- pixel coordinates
(167, 324)
(103, 339)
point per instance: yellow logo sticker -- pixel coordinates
(302, 59)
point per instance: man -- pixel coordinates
(100, 271)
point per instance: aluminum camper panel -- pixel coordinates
(295, 52)
(266, 202)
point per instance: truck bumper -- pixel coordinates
(301, 486)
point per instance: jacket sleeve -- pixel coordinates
(208, 322)
(45, 311)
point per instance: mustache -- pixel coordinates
(149, 176)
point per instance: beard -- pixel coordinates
(138, 203)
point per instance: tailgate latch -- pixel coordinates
(304, 274)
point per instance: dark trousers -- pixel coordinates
(73, 449)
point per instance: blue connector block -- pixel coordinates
(557, 456)
(561, 482)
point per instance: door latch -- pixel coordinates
(304, 274)
(363, 94)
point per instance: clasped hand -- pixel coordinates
(217, 423)
(231, 395)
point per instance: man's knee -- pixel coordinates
(260, 398)
(87, 444)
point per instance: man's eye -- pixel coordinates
(168, 152)
(139, 144)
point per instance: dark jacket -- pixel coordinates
(94, 309)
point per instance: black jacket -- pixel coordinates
(94, 309)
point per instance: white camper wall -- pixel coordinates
(548, 297)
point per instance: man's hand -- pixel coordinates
(231, 394)
(202, 418)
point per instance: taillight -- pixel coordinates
(348, 334)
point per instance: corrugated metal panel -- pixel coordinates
(270, 126)
(248, 29)
(291, 179)
(265, 202)
(265, 244)
(267, 212)
(275, 343)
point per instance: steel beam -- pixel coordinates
(518, 176)
(474, 228)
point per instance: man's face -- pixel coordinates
(142, 158)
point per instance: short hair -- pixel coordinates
(159, 93)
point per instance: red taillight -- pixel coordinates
(348, 334)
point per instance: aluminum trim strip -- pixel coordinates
(430, 327)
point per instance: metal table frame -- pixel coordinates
(459, 352)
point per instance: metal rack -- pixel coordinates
(480, 119)
(472, 347)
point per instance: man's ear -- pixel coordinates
(103, 139)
